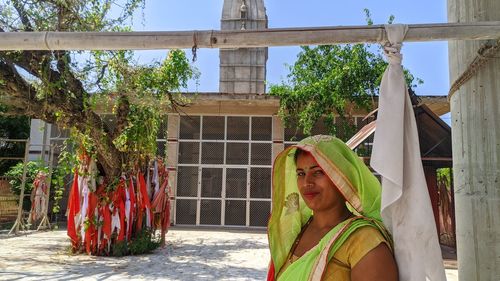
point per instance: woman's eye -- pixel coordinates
(300, 174)
(318, 173)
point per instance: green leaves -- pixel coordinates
(325, 80)
(330, 82)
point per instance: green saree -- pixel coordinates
(354, 180)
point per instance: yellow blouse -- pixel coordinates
(357, 245)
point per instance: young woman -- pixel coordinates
(325, 223)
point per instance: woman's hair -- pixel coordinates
(298, 152)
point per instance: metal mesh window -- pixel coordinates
(189, 127)
(237, 128)
(212, 153)
(360, 123)
(236, 183)
(211, 182)
(262, 128)
(320, 128)
(56, 132)
(235, 212)
(237, 153)
(234, 160)
(261, 154)
(259, 213)
(342, 132)
(185, 211)
(58, 146)
(210, 211)
(260, 182)
(213, 127)
(160, 148)
(162, 129)
(187, 181)
(189, 152)
(293, 132)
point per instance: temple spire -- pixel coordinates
(243, 70)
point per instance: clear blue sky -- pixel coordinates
(427, 60)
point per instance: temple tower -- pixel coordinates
(243, 70)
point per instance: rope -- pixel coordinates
(195, 46)
(484, 54)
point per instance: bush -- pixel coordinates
(16, 175)
(144, 243)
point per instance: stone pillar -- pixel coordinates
(475, 110)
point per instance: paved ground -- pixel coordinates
(189, 255)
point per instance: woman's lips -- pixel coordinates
(310, 195)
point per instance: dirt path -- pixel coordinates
(189, 255)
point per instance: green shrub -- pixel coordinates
(119, 249)
(16, 175)
(144, 243)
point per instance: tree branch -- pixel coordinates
(22, 15)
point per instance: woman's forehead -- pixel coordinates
(306, 160)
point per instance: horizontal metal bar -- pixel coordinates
(12, 140)
(241, 38)
(11, 158)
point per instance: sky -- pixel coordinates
(425, 60)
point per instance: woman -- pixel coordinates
(333, 229)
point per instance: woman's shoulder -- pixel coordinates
(359, 243)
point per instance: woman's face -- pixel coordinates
(316, 188)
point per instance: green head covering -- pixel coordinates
(345, 169)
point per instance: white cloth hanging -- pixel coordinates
(406, 207)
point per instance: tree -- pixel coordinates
(331, 81)
(15, 127)
(71, 89)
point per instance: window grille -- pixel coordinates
(211, 182)
(187, 181)
(189, 127)
(262, 128)
(237, 128)
(236, 183)
(260, 182)
(56, 132)
(161, 148)
(261, 154)
(189, 152)
(185, 211)
(237, 153)
(162, 130)
(213, 127)
(212, 153)
(210, 210)
(235, 213)
(259, 213)
(234, 156)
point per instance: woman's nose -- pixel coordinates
(309, 179)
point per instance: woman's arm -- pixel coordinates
(377, 265)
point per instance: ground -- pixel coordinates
(189, 255)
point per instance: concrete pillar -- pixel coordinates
(278, 135)
(475, 110)
(172, 158)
